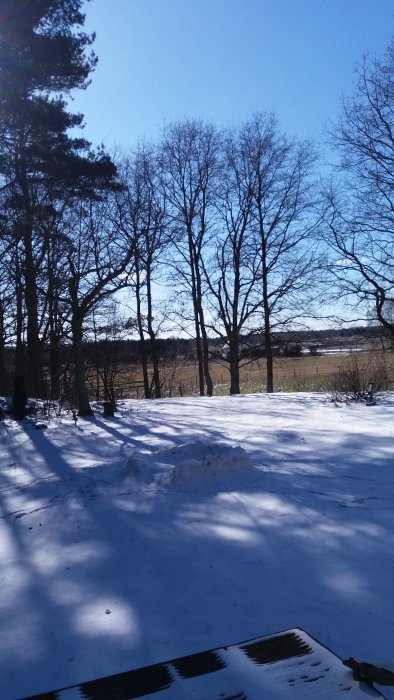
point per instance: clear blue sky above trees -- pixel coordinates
(223, 60)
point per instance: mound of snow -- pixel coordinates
(191, 462)
(139, 468)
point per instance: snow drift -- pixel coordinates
(187, 465)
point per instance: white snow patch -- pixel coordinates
(105, 617)
(187, 464)
(104, 569)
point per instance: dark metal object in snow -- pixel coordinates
(369, 672)
(287, 665)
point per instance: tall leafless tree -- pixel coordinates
(141, 216)
(189, 155)
(283, 203)
(98, 263)
(359, 213)
(233, 273)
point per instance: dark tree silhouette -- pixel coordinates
(283, 200)
(42, 58)
(189, 165)
(142, 218)
(360, 212)
(233, 273)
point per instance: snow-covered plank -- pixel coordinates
(290, 665)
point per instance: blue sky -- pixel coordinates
(223, 60)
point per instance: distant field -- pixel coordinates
(180, 377)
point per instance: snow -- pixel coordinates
(193, 523)
(194, 465)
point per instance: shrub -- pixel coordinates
(358, 373)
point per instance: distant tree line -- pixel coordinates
(208, 232)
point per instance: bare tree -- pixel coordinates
(8, 313)
(108, 329)
(98, 263)
(189, 155)
(141, 215)
(284, 223)
(360, 223)
(233, 274)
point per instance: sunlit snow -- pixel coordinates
(189, 524)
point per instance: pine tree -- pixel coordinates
(44, 55)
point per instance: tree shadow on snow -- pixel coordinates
(103, 575)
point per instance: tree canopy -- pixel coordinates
(43, 56)
(360, 212)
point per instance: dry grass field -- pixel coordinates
(326, 372)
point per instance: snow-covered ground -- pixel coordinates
(187, 524)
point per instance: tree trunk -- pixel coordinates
(267, 318)
(199, 353)
(35, 376)
(19, 397)
(19, 344)
(152, 337)
(204, 339)
(19, 391)
(144, 361)
(200, 364)
(54, 334)
(205, 349)
(268, 338)
(54, 366)
(144, 354)
(36, 384)
(3, 387)
(201, 321)
(54, 362)
(234, 368)
(201, 336)
(269, 357)
(155, 363)
(84, 408)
